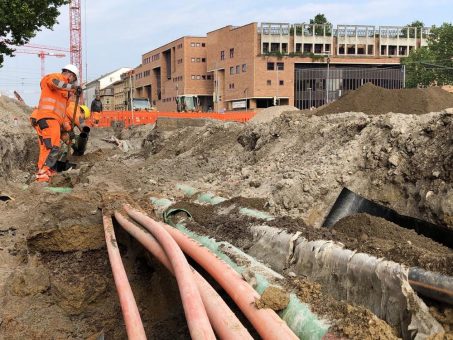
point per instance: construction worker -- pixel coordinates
(49, 117)
(96, 109)
(82, 113)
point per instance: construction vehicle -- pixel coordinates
(188, 103)
(140, 104)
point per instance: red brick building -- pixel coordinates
(259, 65)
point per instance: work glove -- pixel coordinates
(78, 91)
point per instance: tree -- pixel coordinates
(20, 20)
(417, 24)
(432, 64)
(320, 19)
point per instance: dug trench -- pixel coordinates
(54, 271)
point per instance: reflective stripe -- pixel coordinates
(46, 107)
(58, 107)
(48, 99)
(62, 105)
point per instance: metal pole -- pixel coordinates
(404, 76)
(131, 95)
(327, 81)
(277, 101)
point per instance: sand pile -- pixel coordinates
(18, 145)
(372, 99)
(270, 113)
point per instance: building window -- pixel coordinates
(282, 82)
(232, 70)
(222, 55)
(209, 77)
(244, 67)
(280, 66)
(192, 44)
(203, 77)
(231, 52)
(198, 77)
(193, 77)
(198, 60)
(203, 60)
(269, 82)
(238, 69)
(198, 44)
(193, 60)
(270, 66)
(203, 44)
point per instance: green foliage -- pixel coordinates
(432, 64)
(20, 20)
(320, 19)
(417, 24)
(416, 73)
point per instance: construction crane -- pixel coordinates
(75, 31)
(41, 53)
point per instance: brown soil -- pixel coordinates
(382, 238)
(274, 298)
(351, 321)
(373, 100)
(293, 166)
(361, 232)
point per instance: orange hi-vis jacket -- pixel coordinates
(54, 98)
(70, 116)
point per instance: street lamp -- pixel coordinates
(327, 81)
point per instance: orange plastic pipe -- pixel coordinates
(226, 325)
(266, 322)
(194, 310)
(134, 326)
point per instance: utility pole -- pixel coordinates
(131, 95)
(277, 100)
(327, 81)
(178, 104)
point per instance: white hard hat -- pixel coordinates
(73, 69)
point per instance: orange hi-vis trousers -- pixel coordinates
(49, 142)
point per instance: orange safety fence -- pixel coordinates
(128, 118)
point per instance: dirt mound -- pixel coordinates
(68, 239)
(274, 298)
(352, 322)
(11, 108)
(270, 113)
(373, 99)
(382, 238)
(18, 145)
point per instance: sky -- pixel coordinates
(116, 33)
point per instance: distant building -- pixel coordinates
(174, 70)
(107, 98)
(94, 87)
(260, 65)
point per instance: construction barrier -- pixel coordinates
(128, 118)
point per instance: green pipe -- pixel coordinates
(212, 199)
(60, 190)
